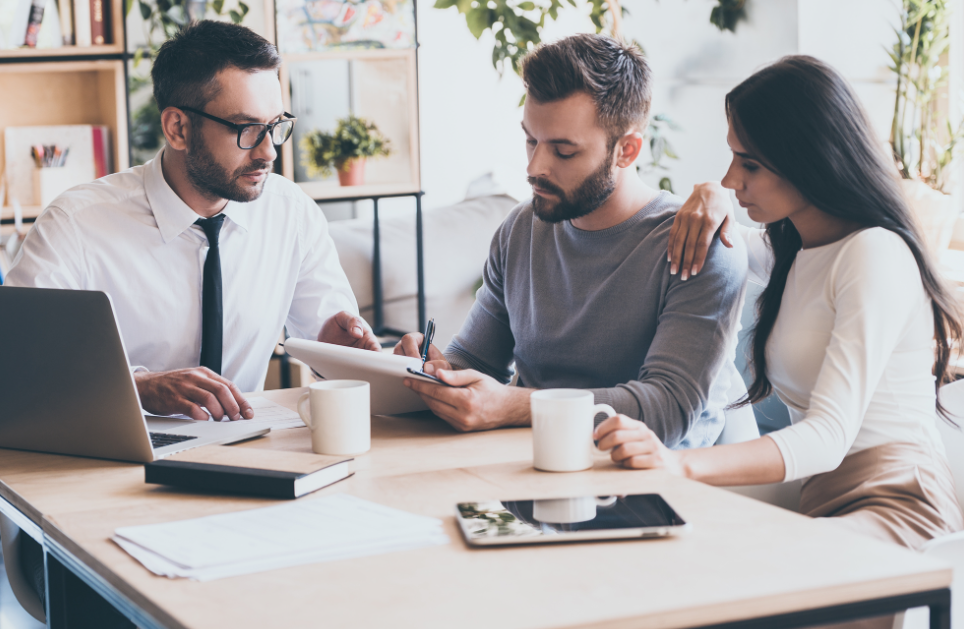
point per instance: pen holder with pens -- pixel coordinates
(49, 183)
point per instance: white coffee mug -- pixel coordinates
(338, 412)
(564, 510)
(562, 427)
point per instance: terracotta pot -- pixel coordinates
(355, 173)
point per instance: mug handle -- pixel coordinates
(305, 416)
(610, 411)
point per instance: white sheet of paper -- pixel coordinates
(338, 526)
(273, 416)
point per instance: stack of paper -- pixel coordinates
(273, 416)
(329, 528)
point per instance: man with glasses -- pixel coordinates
(204, 252)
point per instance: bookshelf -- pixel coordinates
(380, 85)
(397, 118)
(64, 86)
(88, 85)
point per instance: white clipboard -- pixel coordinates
(384, 372)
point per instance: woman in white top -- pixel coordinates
(847, 322)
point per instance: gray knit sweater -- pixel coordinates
(599, 310)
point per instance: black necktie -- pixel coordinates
(212, 310)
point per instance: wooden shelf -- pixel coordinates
(116, 47)
(26, 54)
(82, 91)
(29, 211)
(333, 192)
(370, 102)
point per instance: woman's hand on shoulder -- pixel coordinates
(635, 446)
(707, 209)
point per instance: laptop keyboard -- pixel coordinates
(161, 439)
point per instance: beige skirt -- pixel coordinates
(897, 492)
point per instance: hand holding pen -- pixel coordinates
(414, 347)
(427, 340)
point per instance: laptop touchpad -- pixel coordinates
(166, 424)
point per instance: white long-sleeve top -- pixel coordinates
(131, 236)
(851, 352)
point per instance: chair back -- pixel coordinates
(10, 548)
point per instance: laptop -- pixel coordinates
(66, 386)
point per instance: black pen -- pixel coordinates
(427, 339)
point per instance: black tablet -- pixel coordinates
(583, 518)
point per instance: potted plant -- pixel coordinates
(923, 140)
(345, 151)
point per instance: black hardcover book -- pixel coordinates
(261, 476)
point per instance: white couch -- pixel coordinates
(456, 244)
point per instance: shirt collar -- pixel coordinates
(172, 214)
(237, 213)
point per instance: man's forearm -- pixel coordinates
(665, 404)
(518, 407)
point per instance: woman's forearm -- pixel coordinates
(756, 462)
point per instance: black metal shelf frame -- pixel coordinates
(378, 292)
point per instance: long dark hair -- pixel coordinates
(804, 122)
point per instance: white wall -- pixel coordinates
(470, 117)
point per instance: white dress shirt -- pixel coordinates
(132, 237)
(852, 350)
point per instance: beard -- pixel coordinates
(591, 193)
(210, 178)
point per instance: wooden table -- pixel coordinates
(743, 559)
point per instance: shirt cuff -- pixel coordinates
(457, 361)
(620, 399)
(139, 369)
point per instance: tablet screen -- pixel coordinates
(591, 517)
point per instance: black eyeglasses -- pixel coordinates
(251, 134)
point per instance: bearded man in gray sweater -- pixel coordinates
(577, 291)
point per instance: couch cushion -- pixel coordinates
(456, 245)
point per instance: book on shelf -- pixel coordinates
(98, 22)
(34, 20)
(35, 24)
(83, 31)
(250, 471)
(66, 9)
(56, 23)
(18, 27)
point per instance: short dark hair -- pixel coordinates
(186, 65)
(614, 74)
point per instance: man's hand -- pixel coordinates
(348, 330)
(185, 391)
(411, 346)
(635, 446)
(478, 402)
(708, 208)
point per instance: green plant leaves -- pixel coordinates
(516, 33)
(479, 19)
(922, 139)
(727, 14)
